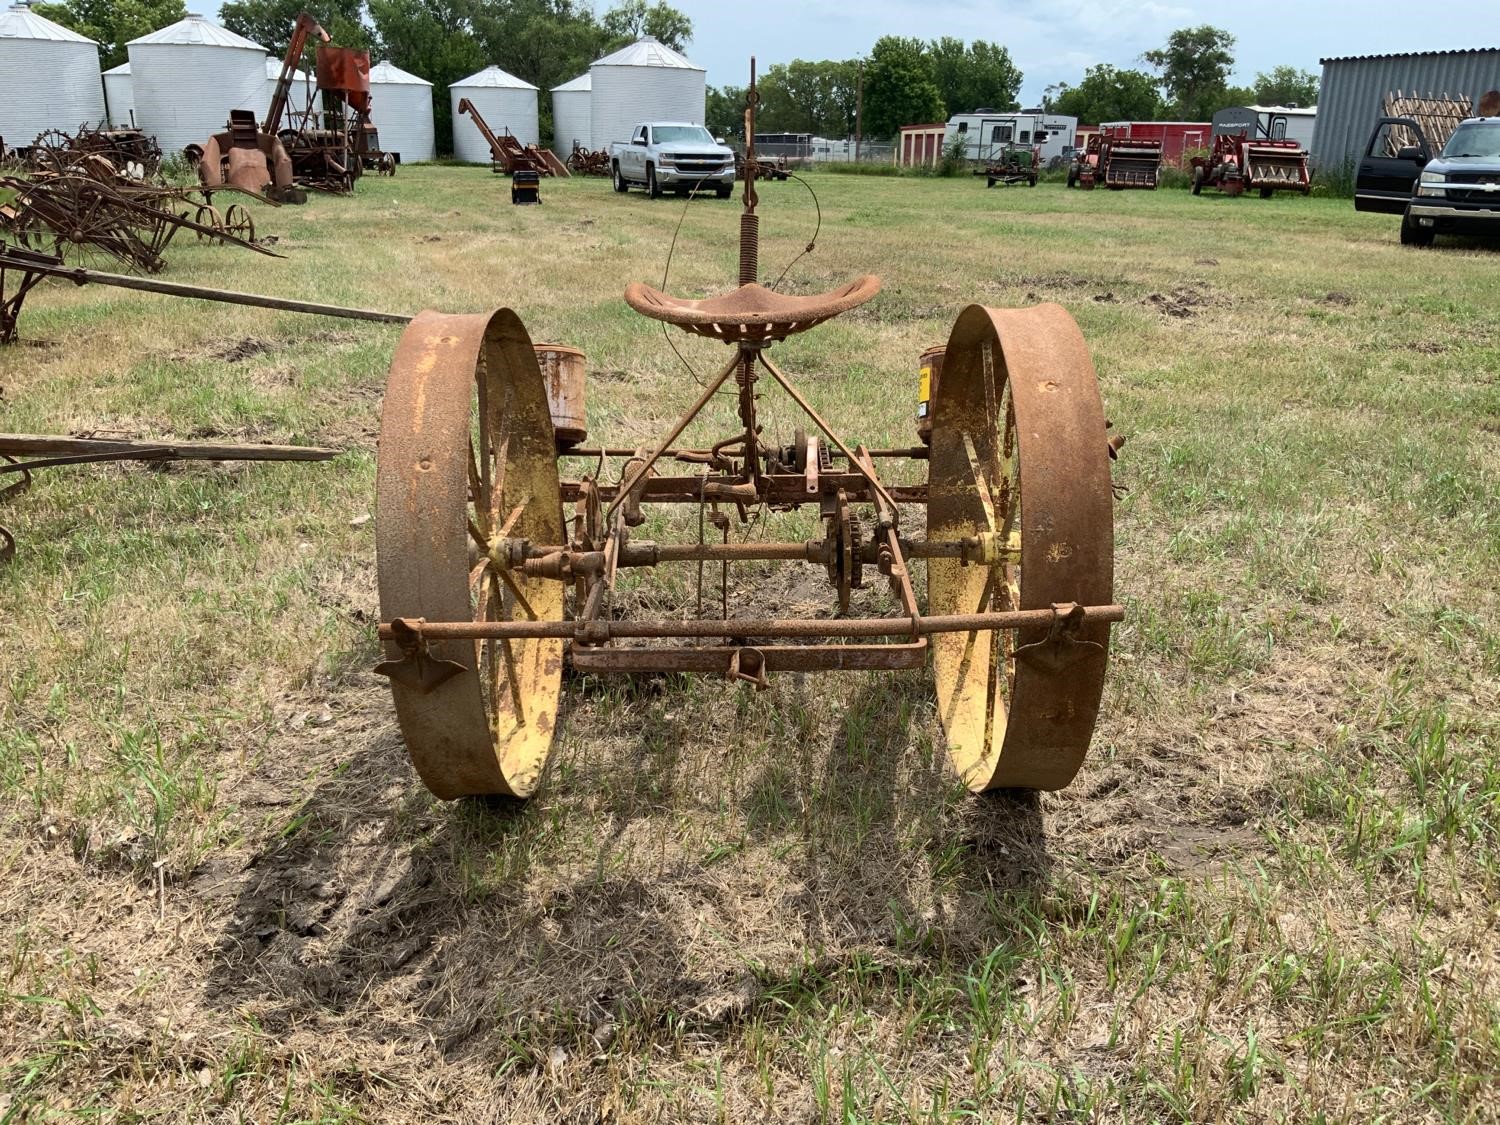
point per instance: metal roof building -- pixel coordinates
(51, 77)
(304, 91)
(572, 109)
(1354, 87)
(503, 100)
(189, 75)
(401, 107)
(118, 97)
(646, 81)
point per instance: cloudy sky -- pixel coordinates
(1054, 40)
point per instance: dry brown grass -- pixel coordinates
(1270, 895)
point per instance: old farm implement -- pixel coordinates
(75, 213)
(487, 589)
(507, 154)
(23, 454)
(1015, 166)
(588, 162)
(1244, 159)
(1117, 161)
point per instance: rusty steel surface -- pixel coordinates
(1019, 453)
(564, 372)
(751, 312)
(467, 455)
(486, 589)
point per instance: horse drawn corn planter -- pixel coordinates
(488, 589)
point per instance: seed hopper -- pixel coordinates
(500, 541)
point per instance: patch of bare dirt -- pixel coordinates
(1181, 303)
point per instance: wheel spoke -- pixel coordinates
(981, 483)
(512, 674)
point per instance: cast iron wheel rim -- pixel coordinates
(237, 221)
(460, 384)
(1019, 389)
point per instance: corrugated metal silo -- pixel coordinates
(51, 77)
(401, 107)
(505, 102)
(646, 81)
(118, 97)
(303, 89)
(187, 77)
(571, 114)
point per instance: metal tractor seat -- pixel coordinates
(751, 313)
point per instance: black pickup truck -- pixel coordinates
(1456, 192)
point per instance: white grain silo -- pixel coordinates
(503, 100)
(646, 81)
(401, 108)
(187, 77)
(571, 114)
(50, 77)
(304, 92)
(118, 98)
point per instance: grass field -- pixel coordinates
(1271, 894)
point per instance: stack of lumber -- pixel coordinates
(1438, 116)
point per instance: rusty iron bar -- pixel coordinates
(914, 453)
(80, 276)
(602, 630)
(685, 490)
(776, 658)
(810, 550)
(62, 450)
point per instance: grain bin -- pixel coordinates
(504, 101)
(571, 114)
(304, 91)
(118, 98)
(188, 76)
(646, 81)
(401, 108)
(51, 77)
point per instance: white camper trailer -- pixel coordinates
(987, 133)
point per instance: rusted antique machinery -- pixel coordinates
(76, 213)
(507, 154)
(1015, 166)
(1242, 159)
(1117, 161)
(487, 589)
(244, 157)
(588, 162)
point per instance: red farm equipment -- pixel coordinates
(1118, 161)
(1242, 158)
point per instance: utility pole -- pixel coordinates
(859, 111)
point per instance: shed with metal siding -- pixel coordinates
(572, 114)
(401, 107)
(1353, 89)
(506, 103)
(51, 77)
(118, 98)
(646, 81)
(189, 75)
(305, 91)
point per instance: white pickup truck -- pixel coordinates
(672, 155)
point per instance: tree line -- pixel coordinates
(904, 81)
(544, 42)
(1189, 82)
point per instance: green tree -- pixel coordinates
(1107, 94)
(631, 19)
(899, 87)
(270, 22)
(808, 97)
(1193, 69)
(113, 23)
(972, 75)
(433, 39)
(724, 111)
(1286, 85)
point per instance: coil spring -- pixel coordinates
(749, 248)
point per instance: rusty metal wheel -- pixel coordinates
(237, 221)
(207, 215)
(467, 460)
(1019, 462)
